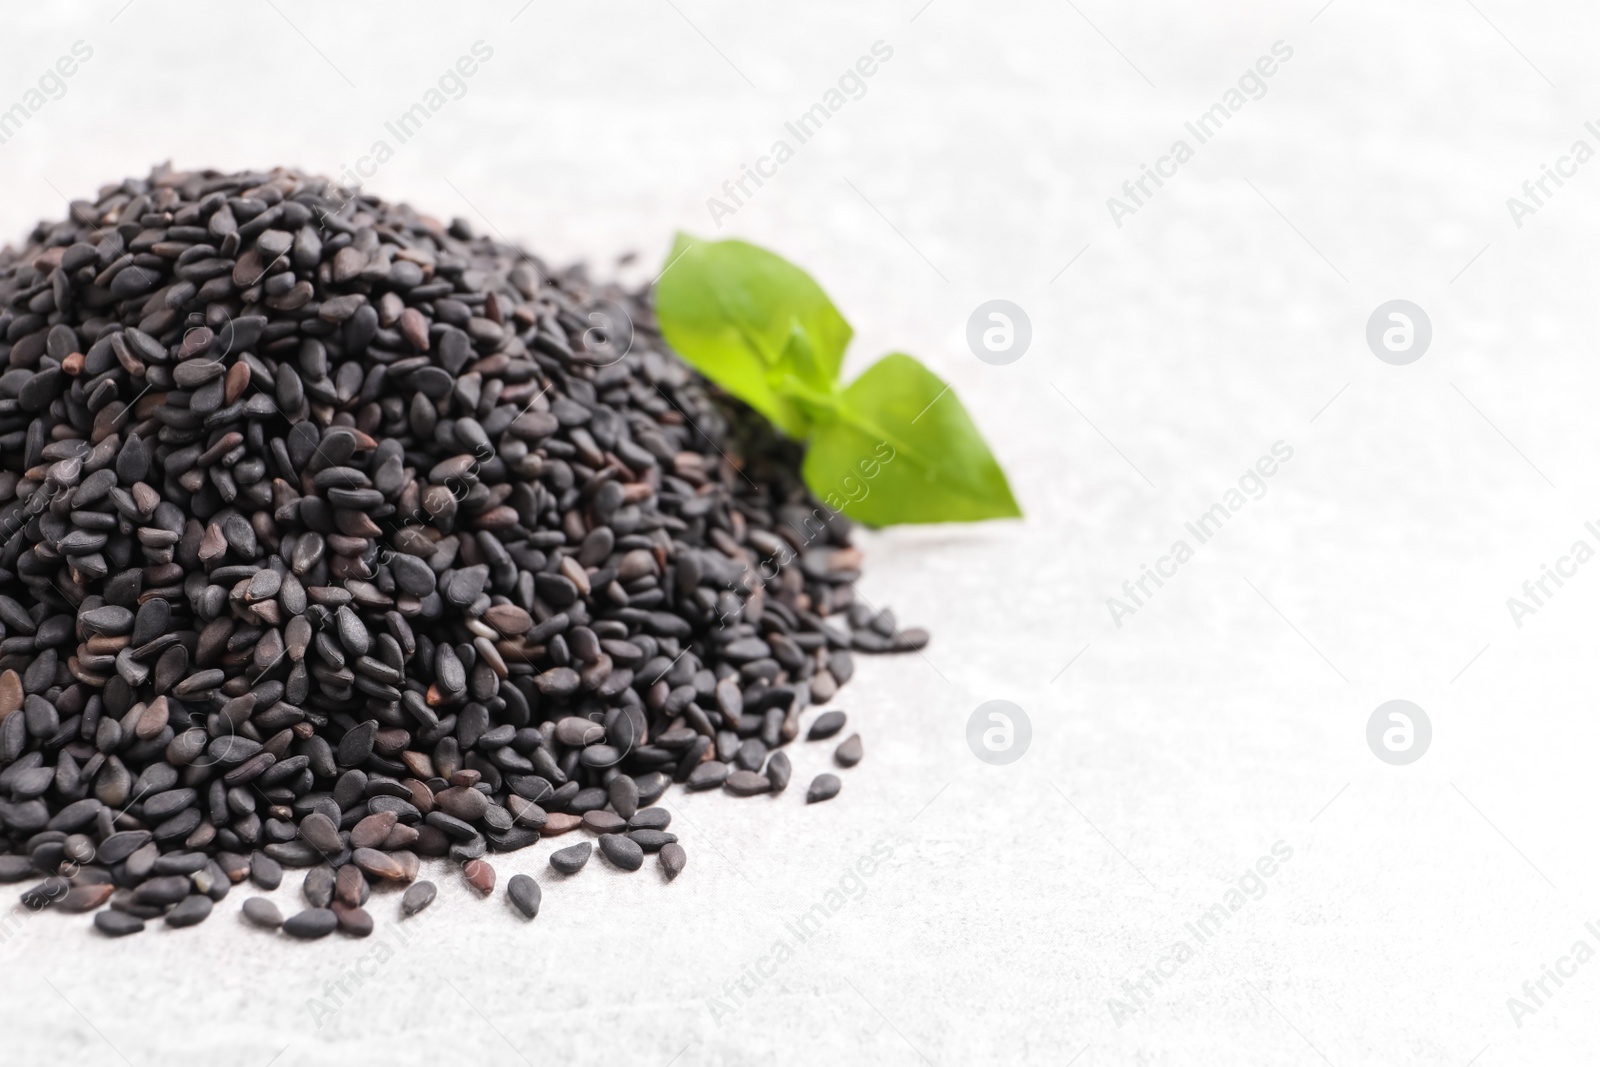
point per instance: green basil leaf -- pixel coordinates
(755, 324)
(902, 449)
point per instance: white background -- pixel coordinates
(1228, 714)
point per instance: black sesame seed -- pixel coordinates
(524, 894)
(823, 787)
(570, 860)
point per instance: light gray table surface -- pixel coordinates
(1172, 748)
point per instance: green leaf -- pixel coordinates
(901, 448)
(755, 324)
(895, 447)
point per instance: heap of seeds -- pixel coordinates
(332, 537)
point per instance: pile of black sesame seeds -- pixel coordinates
(333, 537)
